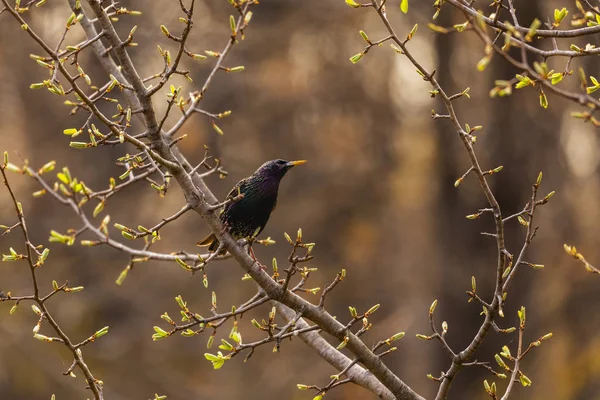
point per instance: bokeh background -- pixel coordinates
(377, 197)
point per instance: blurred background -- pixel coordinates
(377, 197)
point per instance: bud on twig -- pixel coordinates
(432, 307)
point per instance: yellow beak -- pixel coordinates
(293, 163)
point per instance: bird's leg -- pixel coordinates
(248, 242)
(251, 252)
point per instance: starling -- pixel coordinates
(246, 218)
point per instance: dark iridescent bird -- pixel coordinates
(246, 218)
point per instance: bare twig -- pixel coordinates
(93, 384)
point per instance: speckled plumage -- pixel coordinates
(247, 217)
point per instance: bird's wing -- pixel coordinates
(237, 189)
(207, 241)
(211, 239)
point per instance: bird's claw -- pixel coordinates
(263, 267)
(225, 227)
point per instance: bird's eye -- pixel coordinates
(281, 162)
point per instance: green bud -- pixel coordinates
(127, 235)
(232, 24)
(247, 17)
(98, 209)
(343, 344)
(353, 312)
(556, 78)
(412, 32)
(522, 221)
(44, 254)
(183, 264)
(216, 128)
(525, 381)
(432, 307)
(225, 345)
(180, 302)
(543, 100)
(521, 314)
(42, 338)
(363, 34)
(372, 309)
(533, 29)
(48, 167)
(483, 63)
(559, 15)
(356, 58)
(160, 333)
(404, 6)
(101, 332)
(500, 361)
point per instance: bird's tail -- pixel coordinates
(210, 241)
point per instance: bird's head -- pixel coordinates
(277, 168)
